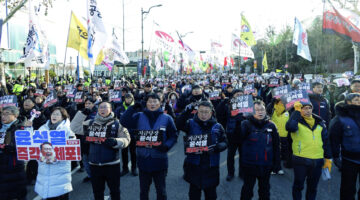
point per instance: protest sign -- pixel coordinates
(242, 104)
(50, 100)
(39, 92)
(79, 97)
(34, 146)
(196, 144)
(297, 95)
(149, 138)
(306, 87)
(281, 90)
(249, 89)
(115, 96)
(9, 100)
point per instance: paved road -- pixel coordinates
(177, 188)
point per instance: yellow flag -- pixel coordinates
(78, 36)
(264, 63)
(246, 33)
(278, 70)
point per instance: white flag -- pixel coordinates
(300, 39)
(96, 32)
(245, 50)
(114, 53)
(36, 46)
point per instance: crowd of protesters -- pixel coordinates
(308, 137)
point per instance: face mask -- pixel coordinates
(197, 97)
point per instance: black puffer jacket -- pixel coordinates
(12, 171)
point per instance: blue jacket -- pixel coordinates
(321, 107)
(344, 132)
(151, 159)
(217, 137)
(260, 143)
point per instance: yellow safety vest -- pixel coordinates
(17, 89)
(280, 122)
(307, 143)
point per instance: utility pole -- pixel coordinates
(123, 7)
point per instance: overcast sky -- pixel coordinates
(207, 19)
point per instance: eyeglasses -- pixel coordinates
(204, 112)
(104, 107)
(6, 114)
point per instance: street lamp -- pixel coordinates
(142, 33)
(182, 43)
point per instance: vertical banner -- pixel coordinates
(1, 22)
(139, 68)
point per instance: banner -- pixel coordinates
(281, 90)
(215, 95)
(36, 46)
(78, 37)
(246, 32)
(46, 146)
(274, 82)
(238, 44)
(341, 22)
(114, 53)
(242, 104)
(97, 35)
(342, 82)
(9, 100)
(165, 41)
(71, 93)
(297, 95)
(300, 39)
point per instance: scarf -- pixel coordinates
(53, 126)
(104, 120)
(279, 108)
(310, 121)
(127, 106)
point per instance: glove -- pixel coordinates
(327, 164)
(110, 142)
(137, 106)
(163, 148)
(189, 108)
(338, 162)
(86, 111)
(9, 149)
(297, 106)
(212, 149)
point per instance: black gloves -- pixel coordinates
(163, 148)
(110, 142)
(338, 162)
(213, 149)
(86, 111)
(9, 149)
(189, 108)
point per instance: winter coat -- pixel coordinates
(344, 132)
(321, 107)
(12, 171)
(202, 170)
(54, 179)
(99, 153)
(292, 126)
(260, 146)
(155, 158)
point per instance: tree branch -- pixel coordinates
(13, 11)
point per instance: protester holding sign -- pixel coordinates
(344, 134)
(156, 134)
(204, 140)
(120, 110)
(320, 104)
(279, 115)
(310, 149)
(54, 177)
(231, 124)
(260, 152)
(106, 136)
(12, 176)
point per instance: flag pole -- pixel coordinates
(240, 44)
(67, 40)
